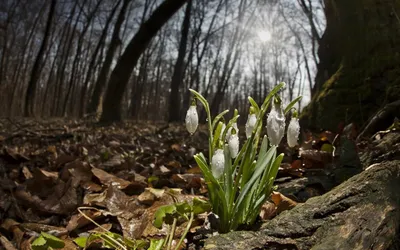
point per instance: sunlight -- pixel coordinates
(264, 35)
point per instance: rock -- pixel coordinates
(361, 213)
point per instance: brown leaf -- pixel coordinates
(13, 226)
(296, 164)
(63, 159)
(315, 158)
(268, 211)
(78, 220)
(38, 228)
(282, 202)
(6, 243)
(174, 164)
(176, 147)
(109, 179)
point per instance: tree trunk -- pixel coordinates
(92, 64)
(178, 75)
(359, 66)
(105, 69)
(30, 96)
(125, 65)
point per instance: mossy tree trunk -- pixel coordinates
(359, 69)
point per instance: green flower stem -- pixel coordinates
(210, 128)
(186, 230)
(171, 234)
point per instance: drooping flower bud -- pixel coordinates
(218, 163)
(293, 130)
(229, 132)
(233, 143)
(192, 118)
(276, 123)
(251, 122)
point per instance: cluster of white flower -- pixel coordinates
(275, 131)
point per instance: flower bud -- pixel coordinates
(233, 144)
(192, 119)
(218, 163)
(251, 122)
(293, 131)
(229, 132)
(276, 123)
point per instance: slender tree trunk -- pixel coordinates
(122, 71)
(178, 75)
(77, 57)
(30, 96)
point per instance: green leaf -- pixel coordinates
(257, 173)
(152, 178)
(111, 240)
(217, 135)
(230, 123)
(269, 177)
(81, 241)
(135, 244)
(215, 190)
(161, 213)
(218, 117)
(263, 148)
(183, 209)
(39, 243)
(200, 206)
(291, 104)
(53, 241)
(156, 244)
(273, 92)
(254, 104)
(228, 176)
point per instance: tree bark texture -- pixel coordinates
(178, 75)
(120, 75)
(359, 68)
(30, 97)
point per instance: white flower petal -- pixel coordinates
(229, 132)
(233, 145)
(276, 124)
(251, 122)
(293, 132)
(218, 163)
(192, 119)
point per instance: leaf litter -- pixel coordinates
(121, 174)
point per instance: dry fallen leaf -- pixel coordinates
(282, 202)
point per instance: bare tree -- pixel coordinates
(105, 69)
(31, 91)
(122, 71)
(177, 77)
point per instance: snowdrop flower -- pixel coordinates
(251, 122)
(293, 130)
(276, 123)
(233, 143)
(229, 132)
(192, 118)
(218, 163)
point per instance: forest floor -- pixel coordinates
(56, 173)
